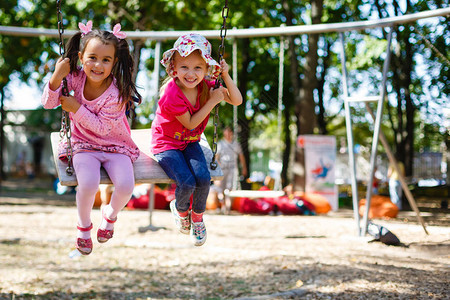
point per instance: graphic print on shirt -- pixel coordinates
(192, 135)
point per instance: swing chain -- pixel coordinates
(65, 119)
(223, 31)
(223, 34)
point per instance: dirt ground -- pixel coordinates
(245, 257)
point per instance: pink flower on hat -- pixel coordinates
(187, 44)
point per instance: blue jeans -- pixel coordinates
(395, 192)
(191, 174)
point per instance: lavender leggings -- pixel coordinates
(87, 167)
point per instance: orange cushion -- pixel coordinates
(98, 200)
(236, 203)
(320, 203)
(212, 202)
(380, 207)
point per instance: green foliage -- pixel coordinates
(44, 119)
(31, 58)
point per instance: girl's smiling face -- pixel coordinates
(189, 70)
(98, 60)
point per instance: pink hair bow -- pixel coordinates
(119, 34)
(85, 29)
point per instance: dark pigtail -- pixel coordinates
(72, 49)
(123, 72)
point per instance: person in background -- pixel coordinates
(375, 182)
(395, 187)
(228, 153)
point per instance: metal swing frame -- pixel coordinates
(260, 32)
(377, 135)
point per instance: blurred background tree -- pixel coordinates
(418, 84)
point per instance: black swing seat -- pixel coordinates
(146, 168)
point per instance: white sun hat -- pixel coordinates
(187, 44)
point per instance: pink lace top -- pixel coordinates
(99, 124)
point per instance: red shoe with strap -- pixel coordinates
(84, 246)
(103, 235)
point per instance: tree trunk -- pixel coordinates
(402, 68)
(307, 117)
(295, 80)
(2, 133)
(410, 108)
(243, 123)
(138, 44)
(321, 123)
(447, 155)
(305, 108)
(287, 149)
(397, 128)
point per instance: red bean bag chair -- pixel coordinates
(162, 200)
(287, 206)
(255, 206)
(282, 204)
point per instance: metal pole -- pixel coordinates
(348, 125)
(376, 131)
(248, 32)
(156, 68)
(394, 163)
(277, 186)
(280, 85)
(235, 79)
(236, 183)
(151, 202)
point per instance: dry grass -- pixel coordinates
(282, 257)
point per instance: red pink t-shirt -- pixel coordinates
(167, 132)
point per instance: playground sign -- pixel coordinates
(320, 161)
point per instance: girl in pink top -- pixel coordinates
(186, 101)
(102, 92)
